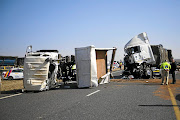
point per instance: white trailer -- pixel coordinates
(91, 66)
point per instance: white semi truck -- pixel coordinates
(40, 70)
(143, 60)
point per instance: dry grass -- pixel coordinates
(13, 85)
(8, 85)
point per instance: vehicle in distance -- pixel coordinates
(115, 64)
(14, 73)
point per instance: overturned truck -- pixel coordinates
(143, 60)
(40, 70)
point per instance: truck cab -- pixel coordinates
(138, 56)
(40, 70)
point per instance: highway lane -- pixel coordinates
(116, 100)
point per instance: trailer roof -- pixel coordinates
(105, 48)
(137, 40)
(47, 51)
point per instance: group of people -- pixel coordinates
(166, 68)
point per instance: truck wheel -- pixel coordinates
(10, 78)
(141, 71)
(148, 73)
(47, 88)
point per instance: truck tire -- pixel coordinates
(141, 71)
(148, 74)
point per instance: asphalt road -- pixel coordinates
(115, 101)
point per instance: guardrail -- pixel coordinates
(6, 68)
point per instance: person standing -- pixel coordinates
(173, 69)
(120, 65)
(165, 66)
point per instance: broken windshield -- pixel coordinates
(133, 50)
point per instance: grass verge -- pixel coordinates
(9, 85)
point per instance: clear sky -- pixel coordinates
(68, 24)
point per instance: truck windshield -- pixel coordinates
(133, 50)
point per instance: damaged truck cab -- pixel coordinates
(40, 70)
(138, 57)
(143, 60)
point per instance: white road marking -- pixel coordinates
(92, 93)
(10, 96)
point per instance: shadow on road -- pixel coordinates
(11, 91)
(117, 77)
(70, 85)
(153, 84)
(158, 105)
(178, 97)
(62, 86)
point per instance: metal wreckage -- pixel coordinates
(43, 68)
(89, 65)
(143, 60)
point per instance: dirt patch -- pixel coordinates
(130, 80)
(162, 91)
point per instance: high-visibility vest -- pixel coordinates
(74, 67)
(165, 66)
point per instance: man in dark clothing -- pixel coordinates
(173, 69)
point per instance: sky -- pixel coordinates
(68, 24)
